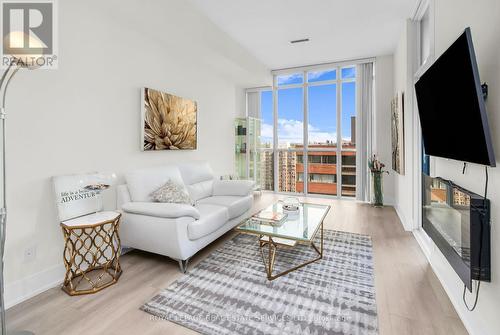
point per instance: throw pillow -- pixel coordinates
(172, 192)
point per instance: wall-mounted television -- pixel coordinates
(452, 108)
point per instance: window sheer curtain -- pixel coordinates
(365, 82)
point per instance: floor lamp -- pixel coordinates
(17, 62)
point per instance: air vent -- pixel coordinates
(302, 40)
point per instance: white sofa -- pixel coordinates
(180, 230)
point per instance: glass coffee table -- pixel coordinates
(298, 228)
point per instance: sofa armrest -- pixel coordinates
(233, 187)
(162, 210)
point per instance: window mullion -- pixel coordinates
(305, 92)
(339, 133)
(275, 134)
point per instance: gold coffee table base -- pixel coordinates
(272, 250)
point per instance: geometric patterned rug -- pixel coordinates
(228, 292)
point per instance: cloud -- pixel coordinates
(289, 78)
(315, 74)
(292, 131)
(266, 130)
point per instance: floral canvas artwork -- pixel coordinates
(169, 122)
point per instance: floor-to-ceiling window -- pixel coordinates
(322, 138)
(308, 134)
(265, 150)
(348, 131)
(289, 128)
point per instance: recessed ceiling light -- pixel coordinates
(302, 40)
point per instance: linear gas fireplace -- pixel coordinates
(458, 221)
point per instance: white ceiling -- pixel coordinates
(338, 29)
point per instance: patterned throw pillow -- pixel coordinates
(172, 193)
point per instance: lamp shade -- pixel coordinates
(14, 42)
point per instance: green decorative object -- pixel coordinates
(377, 170)
(247, 133)
(378, 194)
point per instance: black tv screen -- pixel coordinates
(452, 109)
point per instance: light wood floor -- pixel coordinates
(410, 299)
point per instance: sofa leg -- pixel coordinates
(183, 264)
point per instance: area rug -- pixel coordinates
(228, 292)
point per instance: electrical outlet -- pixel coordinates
(29, 254)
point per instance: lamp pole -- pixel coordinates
(6, 77)
(4, 83)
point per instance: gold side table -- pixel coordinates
(91, 252)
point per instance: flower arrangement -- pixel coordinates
(376, 166)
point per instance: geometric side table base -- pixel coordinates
(91, 252)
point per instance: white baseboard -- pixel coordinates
(406, 224)
(35, 284)
(423, 241)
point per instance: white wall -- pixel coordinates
(85, 116)
(403, 182)
(451, 18)
(384, 87)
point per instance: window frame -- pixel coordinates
(418, 66)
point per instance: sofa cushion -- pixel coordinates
(198, 178)
(200, 190)
(195, 172)
(233, 187)
(162, 210)
(235, 205)
(212, 217)
(141, 183)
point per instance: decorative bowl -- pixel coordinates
(291, 205)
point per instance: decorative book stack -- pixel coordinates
(270, 218)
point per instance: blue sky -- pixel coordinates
(322, 108)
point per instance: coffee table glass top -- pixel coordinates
(301, 226)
